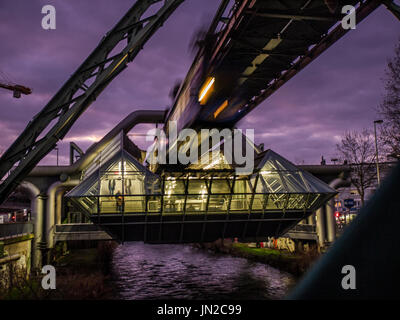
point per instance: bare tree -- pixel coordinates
(390, 106)
(359, 152)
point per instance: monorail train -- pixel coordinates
(208, 97)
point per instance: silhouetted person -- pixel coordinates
(111, 186)
(119, 201)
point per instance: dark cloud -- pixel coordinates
(302, 121)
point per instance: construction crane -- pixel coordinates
(16, 89)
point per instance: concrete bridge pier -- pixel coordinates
(321, 221)
(311, 219)
(59, 203)
(39, 246)
(38, 204)
(330, 221)
(46, 207)
(52, 215)
(326, 222)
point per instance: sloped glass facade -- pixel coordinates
(116, 183)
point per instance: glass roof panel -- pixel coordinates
(280, 175)
(121, 173)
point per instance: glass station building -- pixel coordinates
(198, 203)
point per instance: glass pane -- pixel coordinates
(218, 203)
(259, 202)
(152, 185)
(110, 184)
(154, 203)
(241, 186)
(113, 149)
(134, 204)
(260, 187)
(173, 204)
(273, 182)
(129, 167)
(197, 187)
(240, 202)
(220, 186)
(297, 201)
(134, 184)
(174, 187)
(196, 203)
(89, 204)
(314, 201)
(276, 201)
(110, 204)
(294, 182)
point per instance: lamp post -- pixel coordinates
(376, 152)
(56, 148)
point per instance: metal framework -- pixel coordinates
(362, 12)
(254, 50)
(290, 51)
(54, 121)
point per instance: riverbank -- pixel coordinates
(294, 263)
(81, 274)
(84, 274)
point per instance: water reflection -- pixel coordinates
(144, 271)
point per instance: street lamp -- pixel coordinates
(56, 148)
(376, 151)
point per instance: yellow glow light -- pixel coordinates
(220, 108)
(206, 88)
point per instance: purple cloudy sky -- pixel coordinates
(302, 121)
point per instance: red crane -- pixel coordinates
(17, 89)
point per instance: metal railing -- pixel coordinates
(15, 229)
(304, 228)
(78, 227)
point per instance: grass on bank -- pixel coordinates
(294, 263)
(263, 252)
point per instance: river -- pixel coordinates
(146, 271)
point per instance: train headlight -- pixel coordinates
(206, 88)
